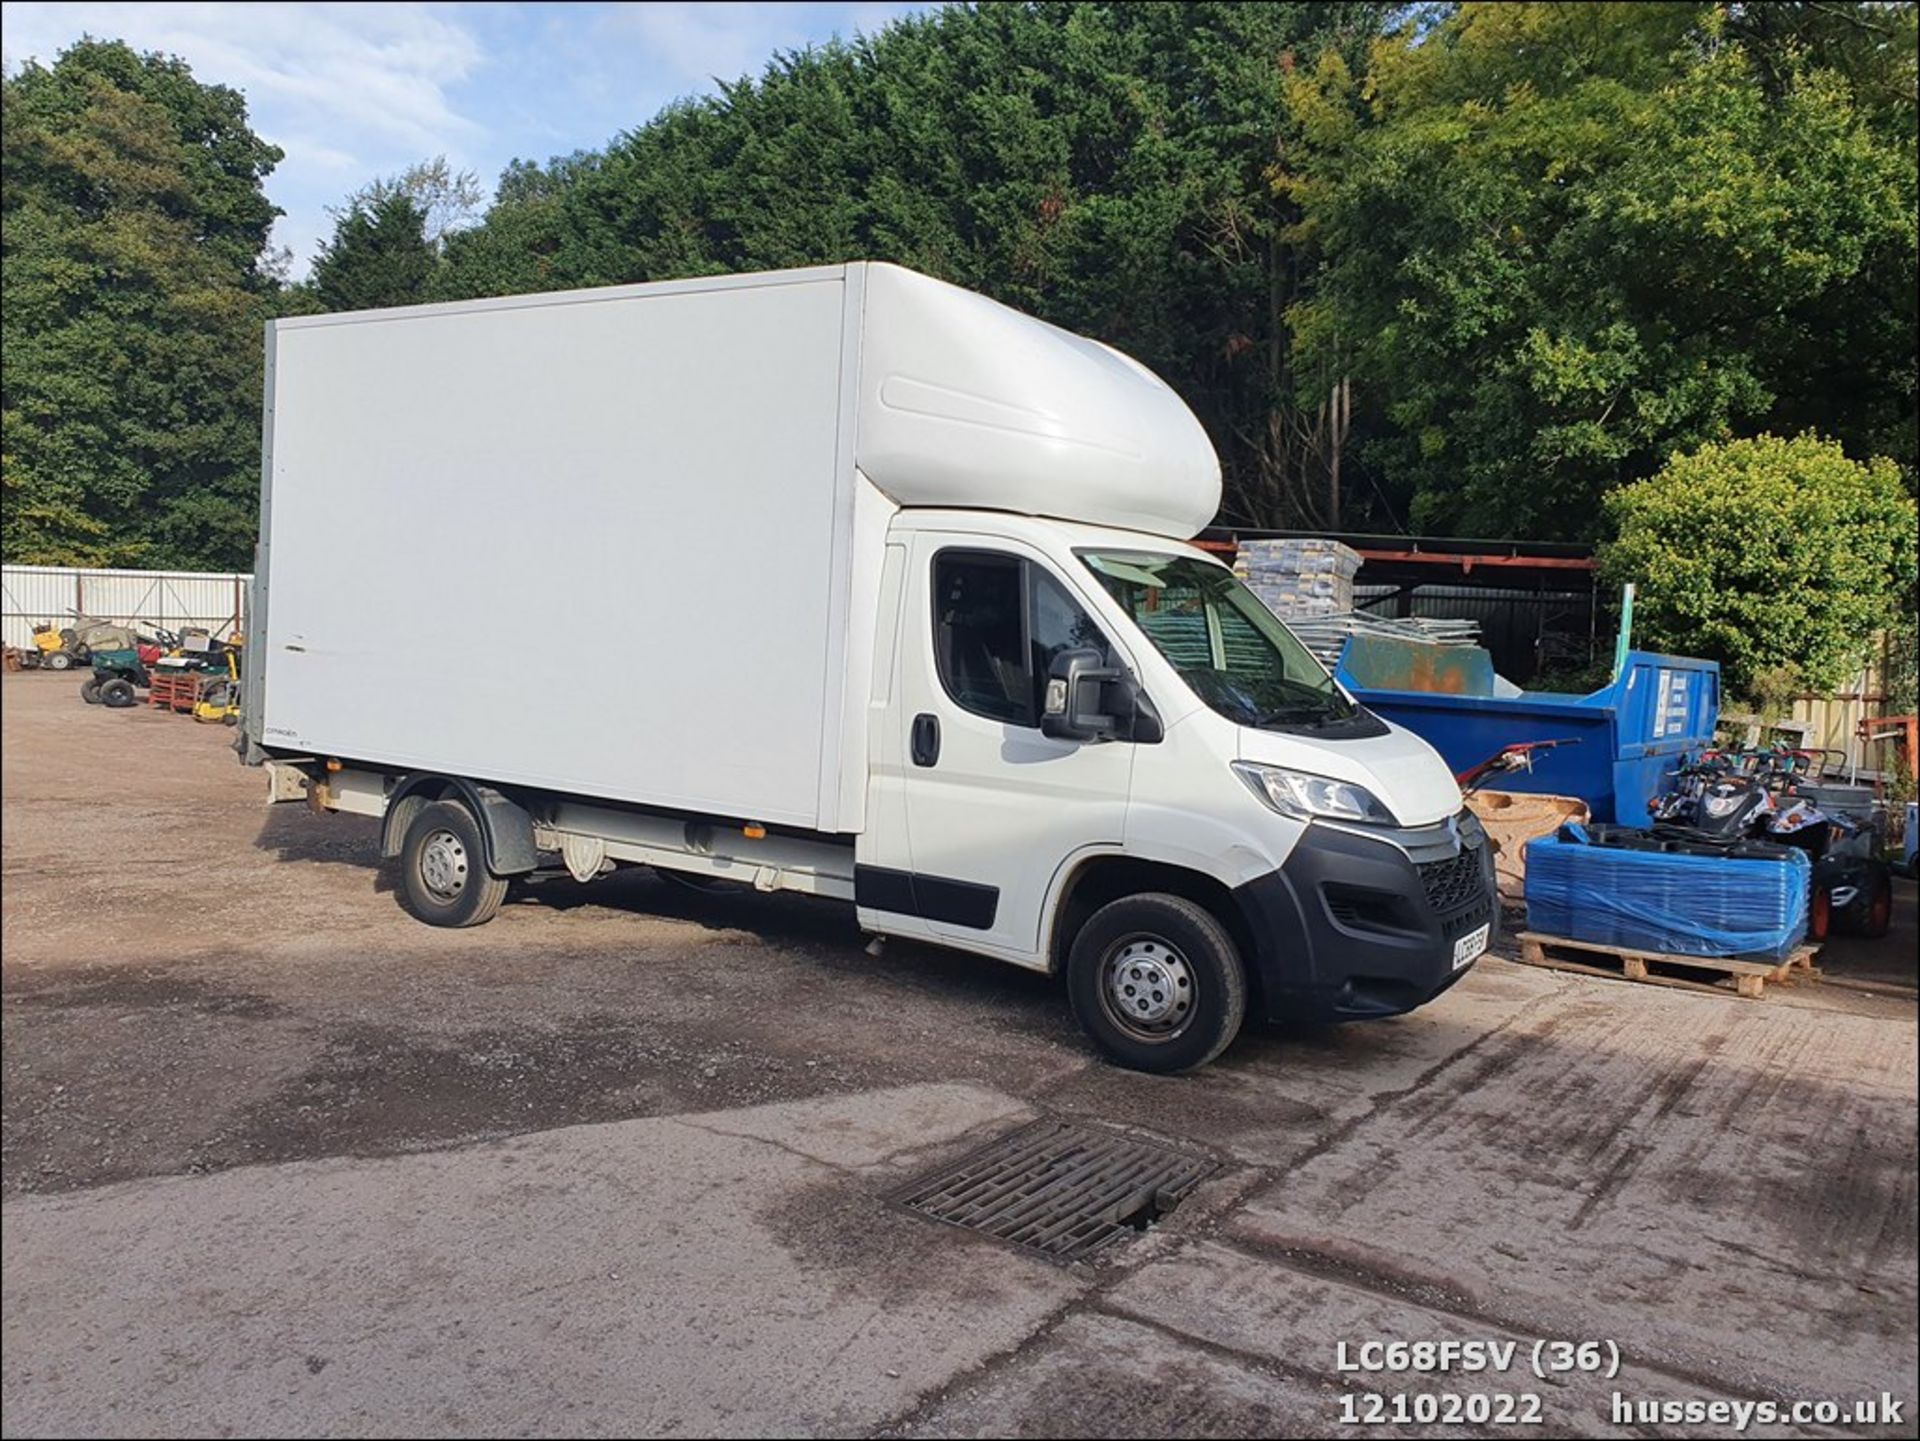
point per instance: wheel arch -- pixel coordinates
(1101, 878)
(506, 826)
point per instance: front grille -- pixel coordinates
(1454, 882)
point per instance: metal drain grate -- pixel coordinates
(1060, 1189)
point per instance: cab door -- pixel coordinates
(994, 809)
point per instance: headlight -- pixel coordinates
(1304, 796)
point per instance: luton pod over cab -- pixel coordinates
(883, 596)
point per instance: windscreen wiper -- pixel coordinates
(1308, 713)
(1312, 716)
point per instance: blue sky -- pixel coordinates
(354, 91)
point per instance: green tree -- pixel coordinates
(1770, 556)
(1565, 240)
(513, 252)
(134, 227)
(448, 200)
(379, 255)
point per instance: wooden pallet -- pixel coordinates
(1743, 978)
(175, 690)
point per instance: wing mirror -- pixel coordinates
(1088, 700)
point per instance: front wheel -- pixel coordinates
(444, 875)
(90, 690)
(117, 693)
(59, 660)
(1157, 982)
(1819, 913)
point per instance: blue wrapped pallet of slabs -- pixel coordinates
(1683, 904)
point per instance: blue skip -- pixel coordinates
(1631, 733)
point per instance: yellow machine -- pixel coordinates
(50, 649)
(219, 703)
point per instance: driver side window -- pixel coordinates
(998, 622)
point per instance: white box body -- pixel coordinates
(625, 543)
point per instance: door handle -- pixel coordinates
(926, 739)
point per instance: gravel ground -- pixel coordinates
(195, 984)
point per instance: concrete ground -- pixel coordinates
(279, 1160)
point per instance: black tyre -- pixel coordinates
(443, 869)
(1871, 914)
(1819, 913)
(59, 660)
(117, 693)
(1157, 982)
(90, 690)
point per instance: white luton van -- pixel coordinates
(841, 581)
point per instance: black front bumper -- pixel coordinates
(1352, 926)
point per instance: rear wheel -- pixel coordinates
(1872, 914)
(1157, 982)
(117, 693)
(59, 660)
(90, 690)
(444, 875)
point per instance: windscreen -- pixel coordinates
(1225, 644)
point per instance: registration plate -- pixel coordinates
(1470, 945)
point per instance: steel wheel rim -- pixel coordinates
(443, 865)
(1147, 988)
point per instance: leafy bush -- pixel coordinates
(1766, 553)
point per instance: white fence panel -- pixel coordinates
(30, 594)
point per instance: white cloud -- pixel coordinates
(724, 40)
(355, 91)
(348, 91)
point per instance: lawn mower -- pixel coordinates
(219, 703)
(67, 647)
(135, 661)
(118, 668)
(49, 650)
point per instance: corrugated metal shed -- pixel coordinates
(30, 594)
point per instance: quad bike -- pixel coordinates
(1734, 803)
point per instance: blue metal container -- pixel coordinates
(1631, 733)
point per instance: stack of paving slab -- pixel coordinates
(1325, 635)
(1299, 577)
